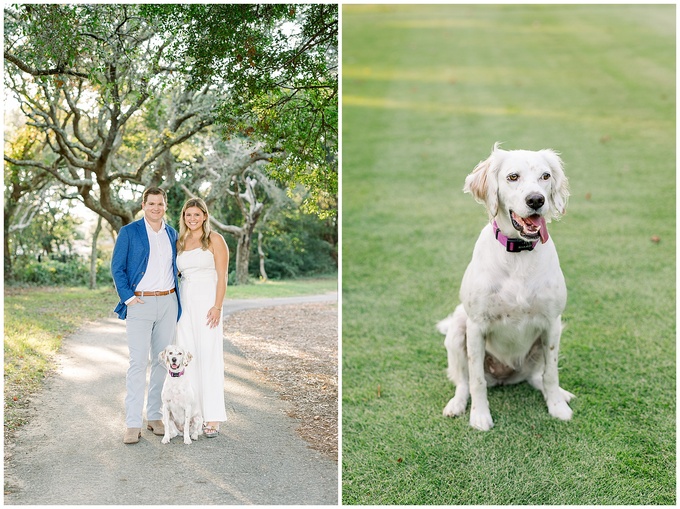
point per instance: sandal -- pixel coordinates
(210, 431)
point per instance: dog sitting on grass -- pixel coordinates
(507, 328)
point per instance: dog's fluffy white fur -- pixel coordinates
(507, 328)
(181, 411)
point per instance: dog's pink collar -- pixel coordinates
(175, 375)
(512, 245)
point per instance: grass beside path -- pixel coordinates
(285, 288)
(37, 319)
(35, 322)
(427, 90)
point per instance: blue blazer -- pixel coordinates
(129, 261)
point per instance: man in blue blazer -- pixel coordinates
(144, 271)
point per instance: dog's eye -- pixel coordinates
(513, 177)
(546, 176)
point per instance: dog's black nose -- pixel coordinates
(174, 359)
(535, 201)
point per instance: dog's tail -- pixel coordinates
(443, 325)
(457, 319)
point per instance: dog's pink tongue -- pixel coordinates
(544, 231)
(539, 222)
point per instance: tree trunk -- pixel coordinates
(260, 251)
(243, 257)
(93, 255)
(8, 255)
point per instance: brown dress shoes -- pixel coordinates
(132, 435)
(156, 426)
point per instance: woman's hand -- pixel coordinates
(213, 317)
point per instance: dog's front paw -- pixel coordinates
(456, 406)
(481, 420)
(560, 410)
(187, 440)
(165, 440)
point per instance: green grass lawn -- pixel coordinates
(284, 288)
(427, 90)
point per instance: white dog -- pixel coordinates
(507, 329)
(181, 411)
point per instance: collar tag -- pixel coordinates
(175, 375)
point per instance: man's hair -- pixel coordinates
(154, 190)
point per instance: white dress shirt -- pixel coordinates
(159, 274)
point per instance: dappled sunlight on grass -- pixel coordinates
(381, 102)
(35, 322)
(649, 126)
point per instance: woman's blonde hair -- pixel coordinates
(184, 231)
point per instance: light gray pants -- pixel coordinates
(150, 328)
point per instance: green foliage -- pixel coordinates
(24, 189)
(51, 30)
(115, 91)
(279, 64)
(596, 83)
(66, 271)
(176, 200)
(96, 82)
(51, 232)
(297, 244)
(76, 40)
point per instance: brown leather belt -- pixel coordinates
(154, 294)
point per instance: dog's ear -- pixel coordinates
(187, 358)
(482, 183)
(559, 193)
(161, 356)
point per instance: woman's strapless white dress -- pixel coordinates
(198, 287)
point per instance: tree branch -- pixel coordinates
(165, 145)
(41, 72)
(53, 169)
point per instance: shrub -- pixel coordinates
(296, 245)
(68, 271)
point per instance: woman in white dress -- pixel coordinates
(202, 259)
